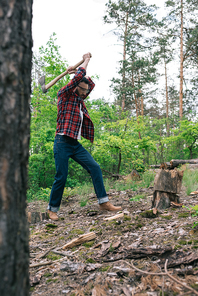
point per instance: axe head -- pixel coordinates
(42, 83)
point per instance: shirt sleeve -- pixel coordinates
(91, 86)
(73, 83)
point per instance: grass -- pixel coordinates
(190, 180)
(146, 180)
(137, 197)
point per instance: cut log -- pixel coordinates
(167, 184)
(168, 181)
(174, 163)
(177, 162)
(80, 240)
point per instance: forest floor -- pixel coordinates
(108, 265)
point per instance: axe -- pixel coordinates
(42, 79)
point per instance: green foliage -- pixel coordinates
(117, 148)
(190, 180)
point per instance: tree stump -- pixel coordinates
(167, 185)
(35, 217)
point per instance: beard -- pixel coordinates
(77, 92)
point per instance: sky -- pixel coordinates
(79, 29)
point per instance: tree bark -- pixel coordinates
(124, 59)
(15, 89)
(167, 185)
(181, 66)
(167, 103)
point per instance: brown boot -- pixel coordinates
(107, 206)
(52, 215)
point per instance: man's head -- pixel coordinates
(83, 88)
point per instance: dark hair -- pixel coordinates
(85, 80)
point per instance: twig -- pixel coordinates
(44, 254)
(45, 263)
(163, 274)
(145, 272)
(40, 264)
(176, 280)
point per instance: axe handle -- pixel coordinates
(61, 75)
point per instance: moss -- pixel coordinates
(148, 214)
(50, 225)
(90, 260)
(51, 280)
(118, 233)
(32, 289)
(105, 268)
(127, 218)
(182, 242)
(53, 257)
(77, 231)
(169, 217)
(47, 274)
(93, 229)
(89, 244)
(183, 215)
(177, 247)
(139, 225)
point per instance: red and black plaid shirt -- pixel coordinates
(68, 118)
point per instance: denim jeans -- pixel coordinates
(65, 148)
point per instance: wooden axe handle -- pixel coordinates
(61, 75)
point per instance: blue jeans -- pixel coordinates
(64, 148)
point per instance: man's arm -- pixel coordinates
(79, 74)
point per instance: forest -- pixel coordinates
(153, 117)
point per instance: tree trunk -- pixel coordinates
(136, 102)
(181, 66)
(15, 89)
(124, 59)
(167, 105)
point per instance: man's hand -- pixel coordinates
(71, 70)
(86, 56)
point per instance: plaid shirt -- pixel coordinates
(68, 118)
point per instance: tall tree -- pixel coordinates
(165, 54)
(184, 13)
(132, 18)
(15, 88)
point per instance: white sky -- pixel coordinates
(80, 29)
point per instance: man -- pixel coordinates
(73, 121)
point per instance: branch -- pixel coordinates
(163, 274)
(177, 281)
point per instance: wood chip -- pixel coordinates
(80, 240)
(114, 217)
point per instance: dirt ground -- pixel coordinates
(108, 265)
